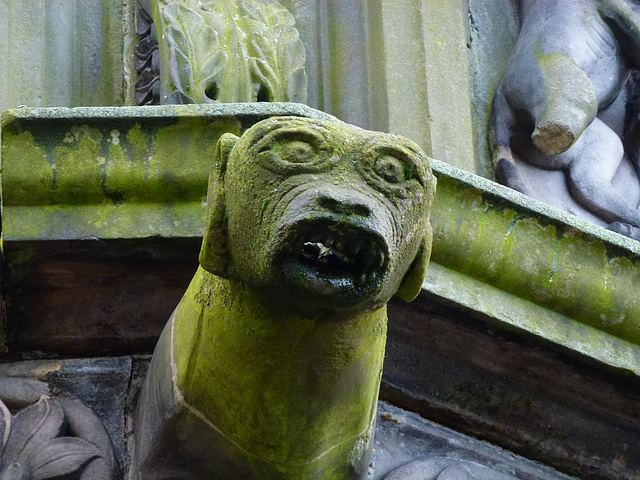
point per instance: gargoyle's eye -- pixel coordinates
(392, 169)
(295, 151)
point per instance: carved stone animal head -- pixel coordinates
(322, 216)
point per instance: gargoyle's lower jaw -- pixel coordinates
(336, 264)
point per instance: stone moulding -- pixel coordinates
(116, 172)
(103, 216)
(534, 268)
(508, 258)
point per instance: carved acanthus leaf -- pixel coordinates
(231, 51)
(61, 456)
(31, 428)
(276, 53)
(196, 57)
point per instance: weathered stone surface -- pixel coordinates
(448, 97)
(62, 53)
(408, 447)
(533, 267)
(312, 227)
(493, 30)
(392, 65)
(456, 368)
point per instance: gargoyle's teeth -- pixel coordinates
(339, 251)
(318, 251)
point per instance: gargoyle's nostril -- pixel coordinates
(344, 206)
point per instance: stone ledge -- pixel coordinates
(116, 172)
(534, 268)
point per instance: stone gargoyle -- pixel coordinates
(558, 107)
(270, 366)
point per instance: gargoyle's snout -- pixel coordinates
(345, 203)
(335, 244)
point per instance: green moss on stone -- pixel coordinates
(26, 164)
(537, 259)
(242, 367)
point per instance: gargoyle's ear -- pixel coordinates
(414, 278)
(213, 255)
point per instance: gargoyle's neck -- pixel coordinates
(286, 389)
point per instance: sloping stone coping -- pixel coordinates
(528, 266)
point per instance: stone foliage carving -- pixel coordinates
(147, 61)
(559, 111)
(270, 365)
(226, 51)
(50, 437)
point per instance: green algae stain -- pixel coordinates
(184, 152)
(27, 176)
(552, 265)
(88, 165)
(124, 176)
(285, 362)
(139, 142)
(79, 170)
(570, 94)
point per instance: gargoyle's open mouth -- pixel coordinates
(336, 258)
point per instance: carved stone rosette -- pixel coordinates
(46, 436)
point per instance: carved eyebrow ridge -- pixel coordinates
(401, 152)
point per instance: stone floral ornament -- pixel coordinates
(270, 365)
(51, 437)
(199, 51)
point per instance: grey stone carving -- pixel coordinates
(50, 437)
(147, 61)
(446, 469)
(220, 51)
(408, 447)
(270, 365)
(558, 113)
